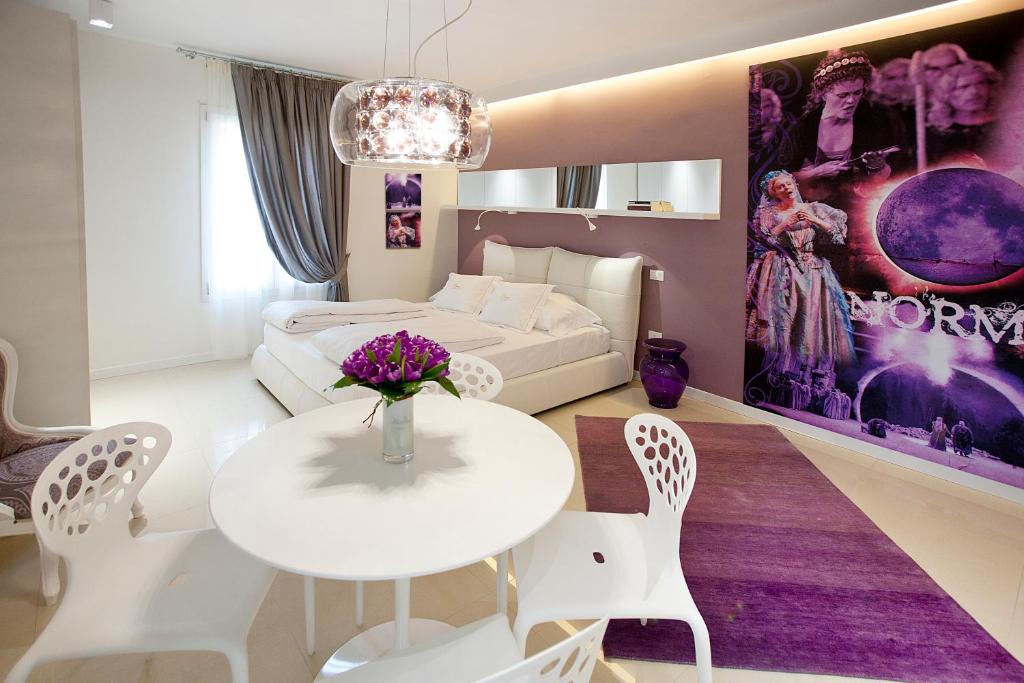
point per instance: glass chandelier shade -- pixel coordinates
(409, 124)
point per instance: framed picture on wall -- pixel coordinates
(402, 212)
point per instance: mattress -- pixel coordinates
(517, 355)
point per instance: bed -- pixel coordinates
(540, 371)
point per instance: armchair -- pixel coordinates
(24, 453)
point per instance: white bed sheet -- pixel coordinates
(517, 355)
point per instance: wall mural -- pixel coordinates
(402, 211)
(885, 279)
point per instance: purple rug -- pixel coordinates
(788, 573)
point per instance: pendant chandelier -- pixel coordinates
(410, 123)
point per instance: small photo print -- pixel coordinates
(403, 230)
(402, 193)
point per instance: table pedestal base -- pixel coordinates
(377, 641)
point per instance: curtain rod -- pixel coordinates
(192, 53)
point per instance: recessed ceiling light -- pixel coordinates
(101, 13)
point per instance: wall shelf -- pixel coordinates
(593, 213)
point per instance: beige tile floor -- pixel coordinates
(971, 543)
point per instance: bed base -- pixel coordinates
(533, 393)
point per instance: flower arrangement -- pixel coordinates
(397, 366)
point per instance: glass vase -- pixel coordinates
(398, 431)
(663, 372)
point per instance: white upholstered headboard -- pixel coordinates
(608, 286)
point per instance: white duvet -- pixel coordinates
(454, 333)
(310, 316)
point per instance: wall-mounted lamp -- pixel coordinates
(587, 218)
(507, 213)
(101, 13)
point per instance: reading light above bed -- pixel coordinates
(407, 122)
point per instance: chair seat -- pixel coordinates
(19, 472)
(187, 590)
(465, 655)
(585, 565)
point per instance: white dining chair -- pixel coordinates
(584, 565)
(484, 651)
(474, 378)
(182, 590)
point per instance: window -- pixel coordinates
(236, 260)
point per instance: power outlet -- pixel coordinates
(653, 334)
(657, 275)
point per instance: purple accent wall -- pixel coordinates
(700, 301)
(696, 110)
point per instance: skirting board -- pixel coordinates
(972, 481)
(148, 366)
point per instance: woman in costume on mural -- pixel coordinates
(841, 139)
(962, 112)
(797, 311)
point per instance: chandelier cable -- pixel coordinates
(442, 28)
(387, 24)
(408, 44)
(447, 59)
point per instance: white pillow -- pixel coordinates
(464, 293)
(561, 314)
(515, 304)
(517, 264)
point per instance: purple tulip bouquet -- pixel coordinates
(397, 366)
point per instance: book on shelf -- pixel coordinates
(649, 205)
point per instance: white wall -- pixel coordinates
(140, 124)
(376, 272)
(42, 265)
(140, 120)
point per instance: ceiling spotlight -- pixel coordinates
(101, 13)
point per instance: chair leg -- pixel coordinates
(502, 587)
(702, 644)
(137, 510)
(23, 668)
(309, 598)
(521, 631)
(360, 597)
(49, 565)
(238, 660)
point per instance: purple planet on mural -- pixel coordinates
(954, 226)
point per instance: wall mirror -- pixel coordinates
(680, 189)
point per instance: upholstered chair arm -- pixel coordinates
(15, 436)
(76, 431)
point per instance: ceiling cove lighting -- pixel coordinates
(408, 122)
(101, 13)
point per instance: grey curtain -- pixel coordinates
(299, 183)
(577, 186)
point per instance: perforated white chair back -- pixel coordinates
(473, 377)
(570, 661)
(666, 458)
(82, 500)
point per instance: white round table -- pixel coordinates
(312, 495)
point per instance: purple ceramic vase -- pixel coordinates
(663, 372)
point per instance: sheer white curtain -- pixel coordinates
(240, 273)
